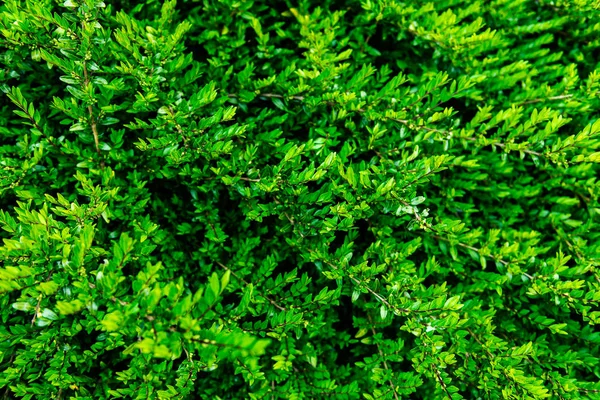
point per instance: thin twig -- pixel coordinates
(278, 96)
(270, 95)
(246, 283)
(441, 381)
(535, 153)
(385, 365)
(37, 310)
(179, 129)
(284, 213)
(91, 111)
(561, 97)
(425, 128)
(379, 297)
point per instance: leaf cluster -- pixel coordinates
(374, 199)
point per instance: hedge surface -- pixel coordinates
(245, 199)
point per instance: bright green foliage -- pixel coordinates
(243, 199)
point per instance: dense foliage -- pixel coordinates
(243, 199)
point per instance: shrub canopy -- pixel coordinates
(241, 199)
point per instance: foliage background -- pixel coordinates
(375, 199)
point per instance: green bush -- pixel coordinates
(243, 199)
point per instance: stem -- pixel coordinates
(564, 96)
(91, 112)
(37, 310)
(246, 283)
(385, 365)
